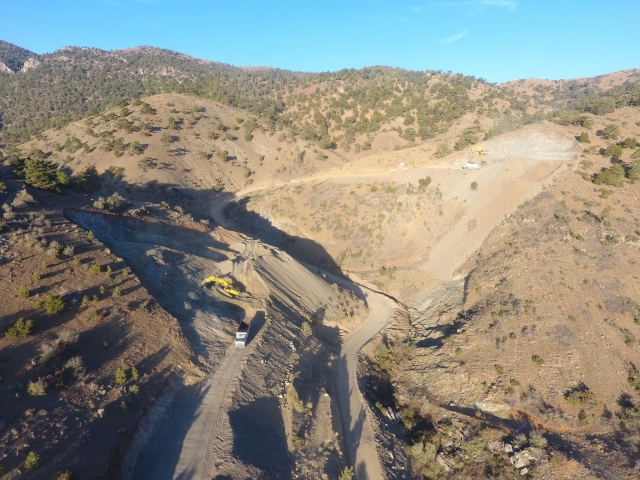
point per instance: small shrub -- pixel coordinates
(135, 389)
(86, 300)
(474, 185)
(23, 293)
(77, 261)
(91, 235)
(76, 367)
(499, 369)
(68, 338)
(36, 276)
(537, 440)
(584, 418)
(108, 271)
(54, 304)
(102, 289)
(93, 314)
(37, 388)
(21, 329)
(582, 396)
(116, 292)
(47, 352)
(537, 359)
(346, 474)
(134, 374)
(306, 329)
(66, 475)
(32, 461)
(68, 251)
(95, 269)
(121, 376)
(298, 442)
(124, 409)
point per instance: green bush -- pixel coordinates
(613, 151)
(611, 176)
(134, 374)
(442, 150)
(584, 138)
(37, 388)
(36, 276)
(611, 131)
(32, 461)
(23, 293)
(95, 269)
(306, 329)
(537, 359)
(116, 292)
(66, 475)
(576, 397)
(346, 474)
(121, 376)
(474, 185)
(21, 329)
(54, 304)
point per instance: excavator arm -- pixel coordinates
(226, 286)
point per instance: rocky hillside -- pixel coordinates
(12, 57)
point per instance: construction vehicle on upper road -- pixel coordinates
(225, 285)
(477, 153)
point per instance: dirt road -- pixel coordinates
(180, 448)
(359, 435)
(358, 432)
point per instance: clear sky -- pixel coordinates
(499, 40)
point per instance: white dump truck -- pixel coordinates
(242, 334)
(471, 166)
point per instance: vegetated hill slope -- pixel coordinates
(344, 110)
(177, 149)
(13, 57)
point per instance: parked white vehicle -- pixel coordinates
(471, 166)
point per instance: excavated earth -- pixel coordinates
(246, 399)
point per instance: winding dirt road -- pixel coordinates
(359, 437)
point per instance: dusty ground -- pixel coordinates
(64, 426)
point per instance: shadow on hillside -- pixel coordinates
(259, 438)
(300, 248)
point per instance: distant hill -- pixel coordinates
(340, 110)
(13, 56)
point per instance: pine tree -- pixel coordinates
(41, 173)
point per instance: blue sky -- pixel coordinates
(499, 40)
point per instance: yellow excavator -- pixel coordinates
(477, 153)
(225, 285)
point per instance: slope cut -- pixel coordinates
(402, 220)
